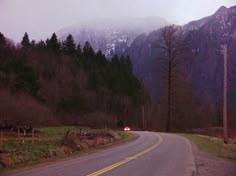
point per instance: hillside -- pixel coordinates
(207, 35)
(53, 82)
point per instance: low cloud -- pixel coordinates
(41, 18)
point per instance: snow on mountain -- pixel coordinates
(111, 35)
(205, 72)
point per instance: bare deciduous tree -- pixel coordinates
(175, 50)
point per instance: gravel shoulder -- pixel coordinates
(210, 165)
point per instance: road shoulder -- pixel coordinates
(208, 165)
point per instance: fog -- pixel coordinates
(40, 18)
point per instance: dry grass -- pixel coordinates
(214, 145)
(53, 143)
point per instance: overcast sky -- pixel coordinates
(40, 18)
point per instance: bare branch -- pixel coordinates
(175, 51)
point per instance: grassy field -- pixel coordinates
(45, 139)
(48, 144)
(214, 145)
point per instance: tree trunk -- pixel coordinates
(1, 138)
(32, 135)
(18, 136)
(169, 98)
(225, 121)
(143, 118)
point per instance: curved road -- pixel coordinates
(151, 154)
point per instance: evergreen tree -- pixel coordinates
(88, 50)
(110, 82)
(69, 46)
(41, 45)
(115, 60)
(53, 44)
(78, 50)
(122, 62)
(100, 58)
(2, 39)
(129, 65)
(33, 44)
(25, 43)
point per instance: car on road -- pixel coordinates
(126, 128)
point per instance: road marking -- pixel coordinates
(115, 165)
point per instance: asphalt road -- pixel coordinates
(151, 154)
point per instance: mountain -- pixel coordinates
(207, 40)
(205, 72)
(111, 35)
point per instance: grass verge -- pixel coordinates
(214, 145)
(48, 145)
(124, 135)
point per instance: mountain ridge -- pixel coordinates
(207, 35)
(109, 35)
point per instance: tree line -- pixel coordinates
(55, 81)
(63, 82)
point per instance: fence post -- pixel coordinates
(32, 135)
(45, 136)
(18, 136)
(1, 138)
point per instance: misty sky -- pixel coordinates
(40, 18)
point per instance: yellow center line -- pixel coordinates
(115, 165)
